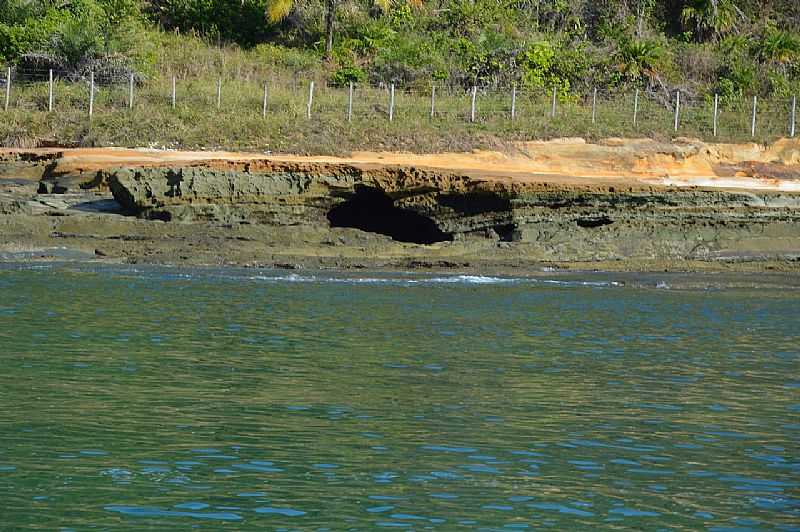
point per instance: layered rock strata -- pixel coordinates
(562, 201)
(424, 206)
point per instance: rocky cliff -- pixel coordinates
(424, 206)
(563, 202)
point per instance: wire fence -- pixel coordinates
(594, 113)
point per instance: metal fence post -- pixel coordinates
(310, 99)
(91, 93)
(514, 102)
(174, 95)
(716, 113)
(8, 87)
(472, 105)
(350, 103)
(635, 106)
(130, 91)
(553, 110)
(391, 103)
(50, 91)
(594, 106)
(264, 102)
(433, 101)
(677, 108)
(753, 123)
(794, 117)
(219, 93)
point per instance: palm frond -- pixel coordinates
(278, 9)
(385, 5)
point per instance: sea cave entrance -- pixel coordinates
(370, 209)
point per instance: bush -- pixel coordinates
(408, 60)
(537, 65)
(78, 38)
(289, 59)
(469, 19)
(369, 37)
(241, 21)
(83, 30)
(699, 62)
(346, 75)
(33, 34)
(738, 73)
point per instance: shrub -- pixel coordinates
(779, 47)
(408, 60)
(638, 60)
(738, 73)
(580, 65)
(242, 21)
(78, 38)
(699, 62)
(290, 59)
(367, 38)
(80, 30)
(469, 19)
(33, 34)
(346, 75)
(536, 64)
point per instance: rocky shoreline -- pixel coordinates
(619, 205)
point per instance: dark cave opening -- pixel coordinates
(370, 209)
(591, 223)
(505, 232)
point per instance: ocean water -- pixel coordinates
(156, 398)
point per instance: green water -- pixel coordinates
(163, 398)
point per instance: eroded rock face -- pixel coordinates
(302, 192)
(427, 206)
(11, 205)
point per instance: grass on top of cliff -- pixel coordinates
(196, 122)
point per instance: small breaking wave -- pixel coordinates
(375, 278)
(454, 279)
(439, 280)
(474, 279)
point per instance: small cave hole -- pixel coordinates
(163, 216)
(370, 209)
(590, 223)
(505, 232)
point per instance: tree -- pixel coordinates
(638, 60)
(780, 48)
(277, 10)
(710, 18)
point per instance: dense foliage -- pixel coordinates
(735, 47)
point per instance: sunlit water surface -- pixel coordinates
(165, 398)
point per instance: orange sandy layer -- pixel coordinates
(568, 162)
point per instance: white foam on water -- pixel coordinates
(454, 279)
(472, 279)
(440, 280)
(366, 280)
(407, 279)
(579, 283)
(295, 278)
(291, 278)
